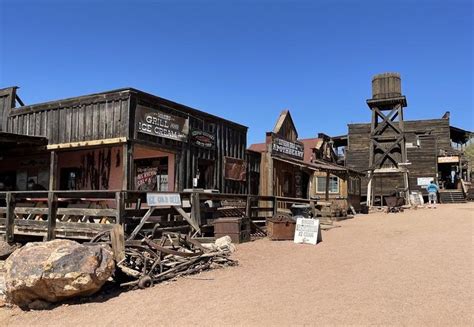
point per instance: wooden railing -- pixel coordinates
(84, 214)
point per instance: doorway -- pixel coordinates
(206, 174)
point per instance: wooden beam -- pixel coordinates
(90, 143)
(53, 171)
(10, 217)
(120, 207)
(188, 218)
(52, 212)
(142, 222)
(327, 187)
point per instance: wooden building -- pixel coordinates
(123, 139)
(433, 151)
(303, 168)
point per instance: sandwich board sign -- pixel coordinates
(307, 231)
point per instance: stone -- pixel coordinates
(225, 244)
(6, 249)
(56, 270)
(39, 305)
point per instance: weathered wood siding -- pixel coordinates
(427, 138)
(231, 141)
(86, 118)
(7, 102)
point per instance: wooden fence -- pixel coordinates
(85, 214)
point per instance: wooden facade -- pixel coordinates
(293, 168)
(426, 141)
(121, 129)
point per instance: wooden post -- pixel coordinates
(275, 205)
(196, 208)
(127, 167)
(248, 206)
(52, 211)
(117, 239)
(53, 171)
(327, 186)
(120, 207)
(369, 190)
(10, 223)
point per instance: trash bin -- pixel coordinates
(300, 210)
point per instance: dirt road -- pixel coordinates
(412, 268)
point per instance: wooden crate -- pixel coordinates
(237, 228)
(281, 230)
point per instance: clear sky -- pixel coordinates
(246, 60)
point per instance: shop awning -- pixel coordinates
(13, 141)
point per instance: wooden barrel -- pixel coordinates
(386, 85)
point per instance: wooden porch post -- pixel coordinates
(327, 185)
(10, 217)
(53, 171)
(127, 166)
(52, 210)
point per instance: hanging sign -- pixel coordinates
(235, 169)
(203, 139)
(307, 231)
(450, 159)
(157, 123)
(163, 199)
(288, 148)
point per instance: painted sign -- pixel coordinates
(235, 169)
(448, 159)
(203, 139)
(157, 123)
(288, 148)
(307, 231)
(163, 199)
(146, 178)
(424, 181)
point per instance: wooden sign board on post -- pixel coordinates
(307, 231)
(163, 199)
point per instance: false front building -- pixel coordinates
(124, 139)
(303, 168)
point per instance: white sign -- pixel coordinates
(307, 231)
(163, 199)
(424, 181)
(448, 159)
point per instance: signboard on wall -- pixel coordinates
(288, 148)
(157, 123)
(450, 159)
(203, 139)
(235, 169)
(424, 181)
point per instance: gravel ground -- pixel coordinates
(412, 268)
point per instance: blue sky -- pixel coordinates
(246, 60)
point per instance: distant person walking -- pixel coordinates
(432, 194)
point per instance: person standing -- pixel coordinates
(432, 194)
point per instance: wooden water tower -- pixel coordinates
(387, 151)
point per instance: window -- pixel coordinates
(333, 184)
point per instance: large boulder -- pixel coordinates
(56, 270)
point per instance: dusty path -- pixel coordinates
(413, 268)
